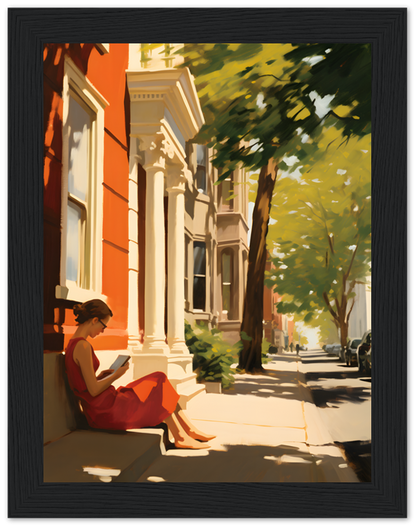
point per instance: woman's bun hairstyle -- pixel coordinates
(92, 308)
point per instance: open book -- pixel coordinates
(120, 361)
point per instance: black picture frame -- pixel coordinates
(29, 497)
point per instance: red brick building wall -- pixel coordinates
(106, 72)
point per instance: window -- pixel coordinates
(82, 177)
(79, 162)
(201, 168)
(226, 278)
(199, 275)
(186, 285)
(225, 191)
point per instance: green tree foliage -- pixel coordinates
(256, 97)
(327, 331)
(322, 230)
(259, 101)
(342, 74)
(229, 79)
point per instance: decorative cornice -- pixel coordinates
(175, 88)
(141, 96)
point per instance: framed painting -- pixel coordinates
(68, 99)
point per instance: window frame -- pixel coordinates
(75, 81)
(227, 252)
(204, 276)
(83, 205)
(204, 188)
(224, 204)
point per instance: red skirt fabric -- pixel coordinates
(142, 403)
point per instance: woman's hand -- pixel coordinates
(103, 374)
(122, 370)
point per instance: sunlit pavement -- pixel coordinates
(268, 430)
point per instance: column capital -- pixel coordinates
(157, 149)
(177, 176)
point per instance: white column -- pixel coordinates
(154, 320)
(133, 302)
(176, 264)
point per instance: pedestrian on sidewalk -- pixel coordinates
(297, 349)
(291, 347)
(145, 402)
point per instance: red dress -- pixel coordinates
(142, 403)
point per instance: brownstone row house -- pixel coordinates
(131, 212)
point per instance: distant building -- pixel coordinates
(277, 328)
(360, 319)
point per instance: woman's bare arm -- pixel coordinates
(83, 357)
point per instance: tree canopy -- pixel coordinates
(321, 235)
(266, 104)
(264, 94)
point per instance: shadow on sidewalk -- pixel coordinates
(358, 454)
(240, 463)
(270, 383)
(338, 394)
(322, 395)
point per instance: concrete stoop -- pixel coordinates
(85, 456)
(75, 452)
(101, 456)
(187, 388)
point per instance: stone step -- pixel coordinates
(102, 456)
(187, 387)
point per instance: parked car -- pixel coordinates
(362, 349)
(351, 353)
(329, 348)
(367, 361)
(336, 350)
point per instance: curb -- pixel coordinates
(321, 436)
(318, 438)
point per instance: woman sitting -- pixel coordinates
(142, 403)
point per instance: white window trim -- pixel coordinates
(104, 48)
(67, 289)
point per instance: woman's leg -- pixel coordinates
(181, 438)
(189, 427)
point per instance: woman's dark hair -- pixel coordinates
(92, 308)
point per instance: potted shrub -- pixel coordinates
(213, 358)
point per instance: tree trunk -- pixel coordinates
(344, 332)
(341, 319)
(252, 324)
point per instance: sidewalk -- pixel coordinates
(268, 430)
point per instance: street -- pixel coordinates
(343, 398)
